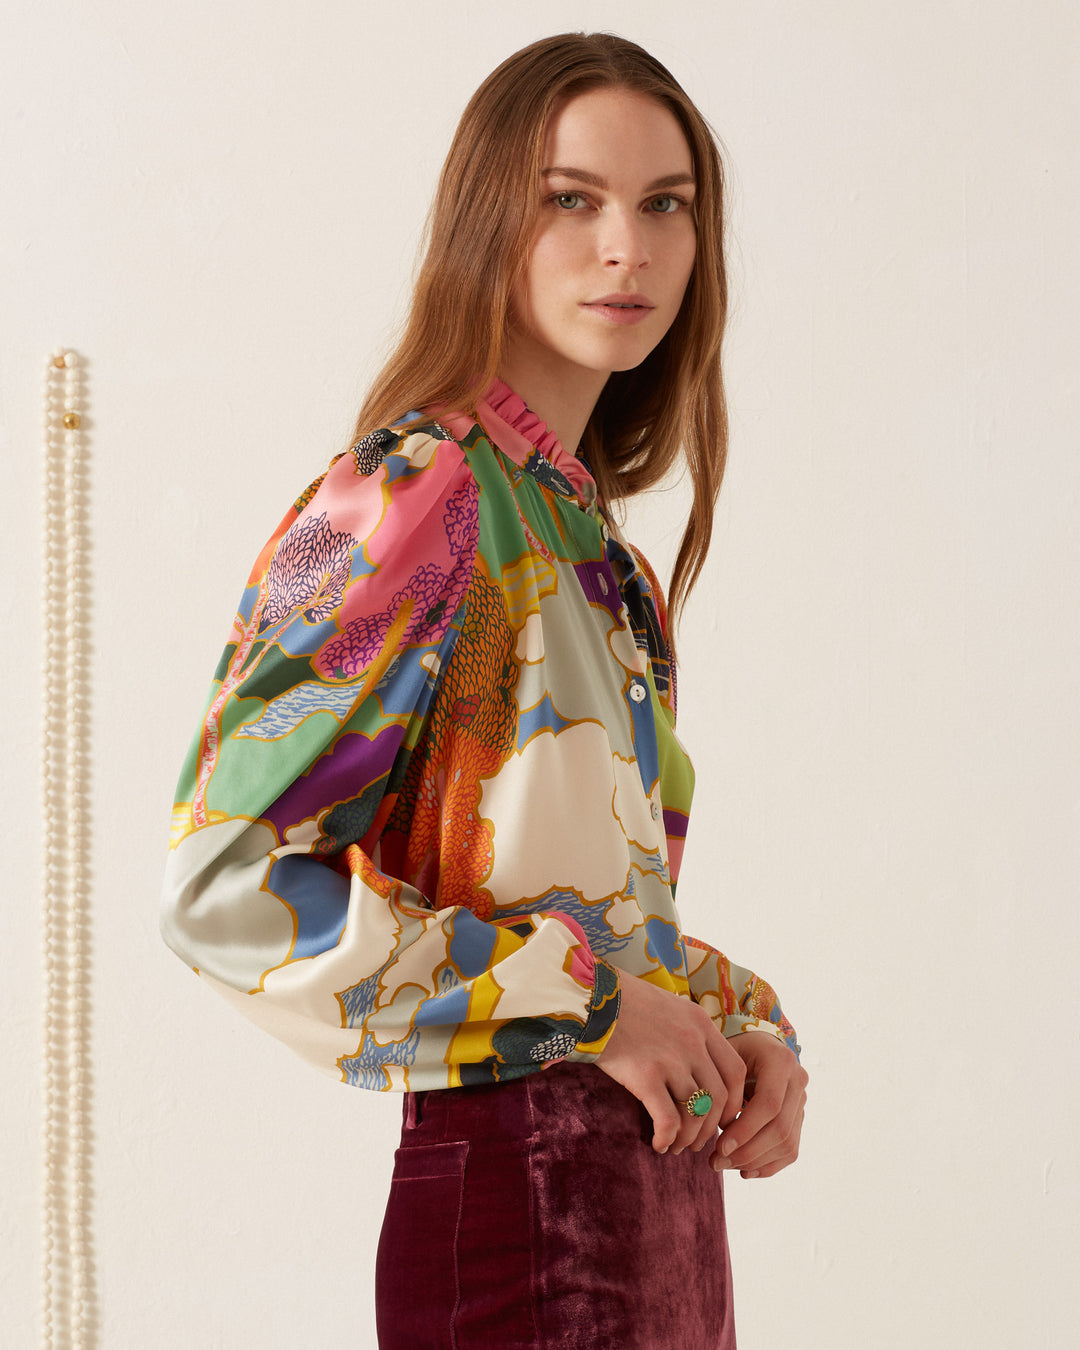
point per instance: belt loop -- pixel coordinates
(414, 1112)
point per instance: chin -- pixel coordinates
(632, 360)
(631, 365)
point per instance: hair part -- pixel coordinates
(479, 233)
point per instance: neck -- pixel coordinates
(564, 400)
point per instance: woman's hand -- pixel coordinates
(765, 1138)
(662, 1050)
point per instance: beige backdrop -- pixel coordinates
(218, 204)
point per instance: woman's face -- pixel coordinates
(614, 243)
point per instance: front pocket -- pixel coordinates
(417, 1288)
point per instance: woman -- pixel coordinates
(430, 829)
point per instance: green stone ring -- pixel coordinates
(700, 1104)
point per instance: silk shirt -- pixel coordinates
(436, 807)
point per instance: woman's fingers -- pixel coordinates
(698, 1131)
(674, 1127)
(718, 1071)
(774, 1146)
(765, 1137)
(669, 1131)
(775, 1160)
(772, 1149)
(663, 1049)
(732, 1070)
(723, 1076)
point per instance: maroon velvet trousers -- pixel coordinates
(534, 1214)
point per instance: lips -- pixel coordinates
(621, 307)
(622, 300)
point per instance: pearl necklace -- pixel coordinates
(69, 1320)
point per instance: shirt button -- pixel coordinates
(655, 811)
(605, 533)
(637, 692)
(603, 583)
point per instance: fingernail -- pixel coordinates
(750, 1175)
(728, 1146)
(720, 1164)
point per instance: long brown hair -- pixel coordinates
(478, 237)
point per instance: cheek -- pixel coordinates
(688, 258)
(519, 301)
(547, 268)
(528, 294)
(684, 272)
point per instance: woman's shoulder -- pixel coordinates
(416, 435)
(417, 441)
(395, 487)
(419, 456)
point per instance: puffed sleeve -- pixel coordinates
(275, 888)
(733, 996)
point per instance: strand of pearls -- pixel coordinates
(68, 1305)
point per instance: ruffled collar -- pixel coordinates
(514, 413)
(528, 440)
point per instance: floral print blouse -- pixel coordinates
(436, 807)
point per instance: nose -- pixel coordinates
(624, 242)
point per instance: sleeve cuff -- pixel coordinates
(734, 1024)
(603, 1012)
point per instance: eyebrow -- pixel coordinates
(669, 180)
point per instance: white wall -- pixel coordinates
(217, 204)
